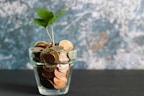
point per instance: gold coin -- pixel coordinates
(49, 56)
(66, 44)
(40, 44)
(48, 45)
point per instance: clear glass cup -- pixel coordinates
(52, 79)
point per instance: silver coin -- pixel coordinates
(72, 54)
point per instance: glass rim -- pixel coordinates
(42, 63)
(71, 61)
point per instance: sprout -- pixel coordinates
(46, 19)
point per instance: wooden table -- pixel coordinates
(83, 83)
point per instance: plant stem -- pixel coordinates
(52, 35)
(48, 34)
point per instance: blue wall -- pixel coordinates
(108, 34)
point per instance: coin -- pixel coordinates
(48, 45)
(49, 69)
(47, 75)
(36, 53)
(50, 81)
(72, 54)
(59, 74)
(40, 44)
(63, 56)
(56, 55)
(66, 44)
(37, 49)
(63, 67)
(59, 86)
(57, 48)
(59, 82)
(49, 56)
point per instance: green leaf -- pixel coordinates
(45, 14)
(40, 22)
(47, 17)
(57, 16)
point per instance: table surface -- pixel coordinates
(83, 83)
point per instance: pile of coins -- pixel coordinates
(56, 77)
(54, 72)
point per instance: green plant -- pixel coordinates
(47, 19)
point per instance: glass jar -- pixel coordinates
(52, 79)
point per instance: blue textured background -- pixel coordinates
(108, 34)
